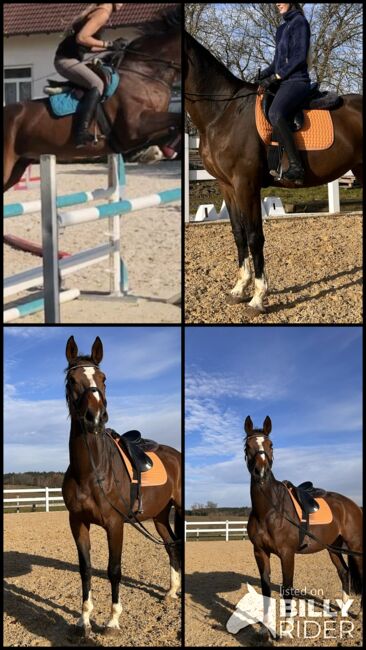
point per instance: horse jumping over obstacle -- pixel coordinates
(96, 487)
(222, 107)
(137, 112)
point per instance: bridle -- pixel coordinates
(90, 389)
(258, 452)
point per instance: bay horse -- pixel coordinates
(270, 531)
(222, 107)
(96, 486)
(137, 112)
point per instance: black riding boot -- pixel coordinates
(295, 172)
(86, 113)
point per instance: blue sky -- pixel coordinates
(143, 369)
(307, 379)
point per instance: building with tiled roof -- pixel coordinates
(32, 32)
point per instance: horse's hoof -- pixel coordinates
(170, 598)
(264, 636)
(235, 300)
(111, 631)
(81, 631)
(255, 311)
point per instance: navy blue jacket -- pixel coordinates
(292, 45)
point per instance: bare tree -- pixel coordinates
(242, 36)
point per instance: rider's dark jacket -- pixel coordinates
(292, 45)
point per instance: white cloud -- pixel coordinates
(200, 384)
(336, 468)
(37, 431)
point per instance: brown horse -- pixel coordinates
(270, 531)
(137, 112)
(96, 487)
(222, 108)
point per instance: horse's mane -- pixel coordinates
(169, 21)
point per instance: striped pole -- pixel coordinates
(18, 209)
(37, 305)
(110, 209)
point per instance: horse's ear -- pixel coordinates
(71, 350)
(267, 426)
(248, 425)
(97, 351)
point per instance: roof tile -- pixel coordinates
(39, 18)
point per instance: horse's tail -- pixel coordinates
(355, 575)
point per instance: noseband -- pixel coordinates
(91, 389)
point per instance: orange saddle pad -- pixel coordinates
(317, 132)
(322, 516)
(155, 476)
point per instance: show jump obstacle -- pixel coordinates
(54, 268)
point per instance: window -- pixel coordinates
(17, 84)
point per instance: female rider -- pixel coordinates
(84, 36)
(290, 70)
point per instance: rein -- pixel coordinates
(226, 98)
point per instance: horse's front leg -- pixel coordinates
(263, 562)
(238, 292)
(250, 206)
(81, 536)
(288, 565)
(115, 539)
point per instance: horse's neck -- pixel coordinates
(263, 496)
(80, 450)
(153, 62)
(207, 76)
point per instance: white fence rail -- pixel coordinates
(227, 528)
(47, 500)
(270, 209)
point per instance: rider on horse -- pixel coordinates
(288, 72)
(83, 37)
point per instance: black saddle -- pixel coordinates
(316, 99)
(136, 447)
(305, 494)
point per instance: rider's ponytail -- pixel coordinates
(297, 6)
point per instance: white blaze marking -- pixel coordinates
(260, 440)
(90, 372)
(90, 375)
